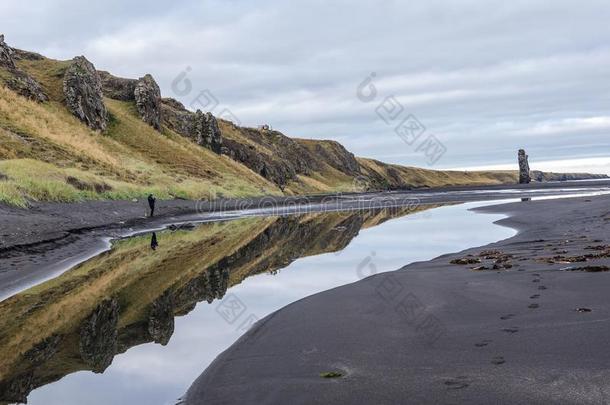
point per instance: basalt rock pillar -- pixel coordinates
(524, 168)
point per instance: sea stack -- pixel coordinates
(524, 168)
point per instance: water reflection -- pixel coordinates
(131, 295)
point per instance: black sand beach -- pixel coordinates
(525, 321)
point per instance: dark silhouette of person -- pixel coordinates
(153, 241)
(151, 204)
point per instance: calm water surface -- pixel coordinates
(265, 264)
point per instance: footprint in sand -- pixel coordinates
(533, 306)
(457, 383)
(541, 287)
(536, 280)
(507, 317)
(535, 296)
(483, 343)
(498, 360)
(513, 329)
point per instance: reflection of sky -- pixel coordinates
(153, 374)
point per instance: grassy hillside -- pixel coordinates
(47, 154)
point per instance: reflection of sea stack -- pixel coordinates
(524, 168)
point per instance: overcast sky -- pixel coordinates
(483, 77)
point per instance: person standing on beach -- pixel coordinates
(151, 204)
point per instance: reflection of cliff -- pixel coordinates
(130, 295)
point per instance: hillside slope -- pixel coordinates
(70, 133)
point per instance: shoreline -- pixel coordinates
(44, 241)
(437, 332)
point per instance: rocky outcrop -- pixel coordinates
(6, 55)
(549, 176)
(208, 132)
(524, 168)
(20, 54)
(98, 335)
(148, 100)
(16, 79)
(83, 93)
(161, 318)
(117, 88)
(24, 85)
(201, 127)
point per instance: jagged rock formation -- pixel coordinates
(98, 335)
(201, 128)
(148, 100)
(117, 88)
(26, 86)
(161, 318)
(6, 55)
(524, 168)
(208, 132)
(83, 93)
(16, 79)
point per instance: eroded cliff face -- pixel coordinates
(15, 78)
(83, 93)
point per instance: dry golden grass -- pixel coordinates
(54, 123)
(417, 177)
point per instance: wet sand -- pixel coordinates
(524, 320)
(41, 242)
